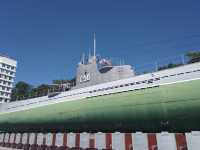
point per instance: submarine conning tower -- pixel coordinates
(89, 74)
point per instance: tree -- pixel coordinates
(193, 56)
(43, 89)
(21, 91)
(168, 66)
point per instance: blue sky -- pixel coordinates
(47, 37)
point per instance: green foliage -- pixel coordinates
(21, 91)
(193, 56)
(170, 65)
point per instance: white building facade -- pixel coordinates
(7, 75)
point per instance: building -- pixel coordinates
(7, 75)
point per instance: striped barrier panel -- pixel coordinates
(41, 141)
(140, 141)
(6, 139)
(152, 141)
(100, 140)
(25, 138)
(18, 140)
(166, 141)
(32, 138)
(181, 142)
(128, 141)
(108, 138)
(51, 140)
(117, 140)
(193, 140)
(92, 140)
(84, 140)
(12, 139)
(71, 140)
(33, 141)
(25, 141)
(59, 142)
(1, 138)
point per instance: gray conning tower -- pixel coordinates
(88, 73)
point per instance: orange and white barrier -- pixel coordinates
(6, 139)
(25, 138)
(117, 140)
(84, 140)
(18, 138)
(71, 139)
(140, 141)
(40, 139)
(99, 140)
(166, 141)
(193, 140)
(59, 140)
(32, 138)
(1, 137)
(49, 138)
(12, 138)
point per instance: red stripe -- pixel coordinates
(20, 142)
(108, 140)
(77, 142)
(92, 141)
(44, 139)
(9, 137)
(35, 142)
(181, 141)
(28, 136)
(65, 139)
(128, 141)
(54, 139)
(4, 135)
(14, 138)
(152, 142)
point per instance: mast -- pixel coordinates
(94, 36)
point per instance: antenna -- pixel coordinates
(83, 58)
(94, 36)
(89, 53)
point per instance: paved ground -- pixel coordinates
(4, 148)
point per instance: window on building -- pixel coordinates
(8, 66)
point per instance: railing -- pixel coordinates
(166, 63)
